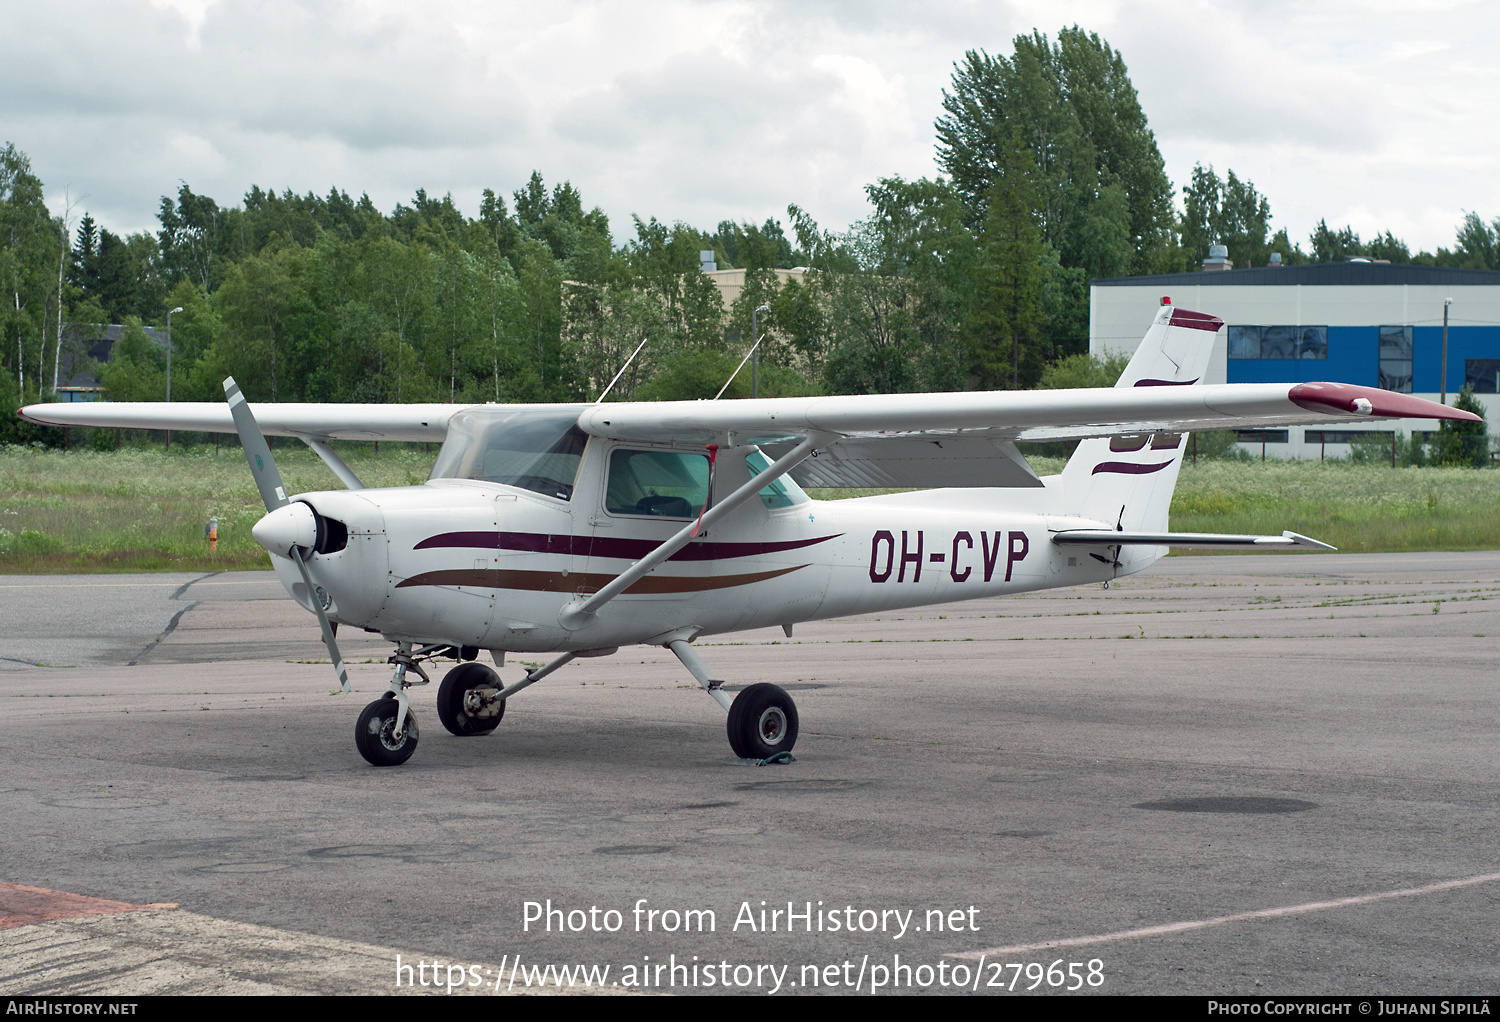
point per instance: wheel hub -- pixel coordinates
(384, 728)
(772, 725)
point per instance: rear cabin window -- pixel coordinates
(782, 492)
(662, 484)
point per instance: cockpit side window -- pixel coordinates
(663, 484)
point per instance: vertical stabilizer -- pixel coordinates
(1127, 481)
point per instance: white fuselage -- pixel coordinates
(481, 564)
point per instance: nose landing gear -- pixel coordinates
(386, 732)
(376, 734)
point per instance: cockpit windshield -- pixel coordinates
(536, 448)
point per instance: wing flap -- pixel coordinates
(921, 463)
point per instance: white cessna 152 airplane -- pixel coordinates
(578, 529)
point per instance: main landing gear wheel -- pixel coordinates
(762, 722)
(373, 731)
(457, 685)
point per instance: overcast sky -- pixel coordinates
(1378, 114)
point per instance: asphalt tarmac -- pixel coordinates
(1234, 774)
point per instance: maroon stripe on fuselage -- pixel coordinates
(1166, 383)
(1128, 468)
(606, 546)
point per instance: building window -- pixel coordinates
(1281, 343)
(1482, 375)
(1344, 436)
(1262, 436)
(1395, 359)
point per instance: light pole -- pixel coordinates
(169, 363)
(169, 351)
(1443, 384)
(755, 350)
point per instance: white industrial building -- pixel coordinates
(1368, 323)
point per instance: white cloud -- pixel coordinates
(193, 12)
(702, 110)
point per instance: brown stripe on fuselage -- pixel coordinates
(583, 582)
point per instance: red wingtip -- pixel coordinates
(1345, 398)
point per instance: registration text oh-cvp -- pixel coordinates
(961, 556)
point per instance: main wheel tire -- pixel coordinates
(762, 722)
(450, 700)
(372, 733)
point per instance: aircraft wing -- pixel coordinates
(1009, 415)
(885, 440)
(322, 421)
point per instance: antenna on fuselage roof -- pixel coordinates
(763, 308)
(624, 367)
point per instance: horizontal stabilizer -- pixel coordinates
(1105, 537)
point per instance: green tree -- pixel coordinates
(1007, 321)
(137, 367)
(1329, 246)
(1229, 213)
(28, 265)
(191, 234)
(1078, 115)
(1083, 370)
(1464, 444)
(261, 301)
(1478, 244)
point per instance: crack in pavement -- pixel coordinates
(176, 618)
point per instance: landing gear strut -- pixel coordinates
(762, 718)
(386, 732)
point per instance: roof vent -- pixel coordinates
(1275, 259)
(1218, 258)
(706, 260)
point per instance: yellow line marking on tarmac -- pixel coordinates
(1199, 924)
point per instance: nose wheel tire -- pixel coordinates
(457, 683)
(373, 734)
(762, 722)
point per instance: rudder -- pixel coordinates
(1127, 481)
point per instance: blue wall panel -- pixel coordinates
(1353, 357)
(1463, 342)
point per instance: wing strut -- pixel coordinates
(581, 611)
(320, 447)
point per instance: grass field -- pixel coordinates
(145, 509)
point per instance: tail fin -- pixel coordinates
(1128, 481)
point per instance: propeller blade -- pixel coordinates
(273, 492)
(257, 451)
(333, 646)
